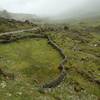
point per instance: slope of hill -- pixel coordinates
(12, 25)
(34, 62)
(5, 14)
(17, 16)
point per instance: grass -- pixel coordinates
(35, 62)
(82, 56)
(13, 25)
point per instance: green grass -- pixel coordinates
(13, 25)
(82, 57)
(34, 62)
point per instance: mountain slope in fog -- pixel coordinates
(17, 16)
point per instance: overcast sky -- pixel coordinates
(49, 7)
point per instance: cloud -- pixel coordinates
(48, 7)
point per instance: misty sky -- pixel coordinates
(49, 7)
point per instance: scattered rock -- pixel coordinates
(9, 94)
(19, 93)
(95, 45)
(3, 84)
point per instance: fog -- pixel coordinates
(50, 8)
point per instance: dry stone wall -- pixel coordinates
(10, 37)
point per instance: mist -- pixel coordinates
(52, 8)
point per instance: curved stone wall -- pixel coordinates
(54, 83)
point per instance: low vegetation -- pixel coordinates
(13, 25)
(34, 62)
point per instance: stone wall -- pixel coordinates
(54, 83)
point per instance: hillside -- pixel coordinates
(30, 60)
(17, 16)
(12, 25)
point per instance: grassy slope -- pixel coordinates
(11, 25)
(35, 62)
